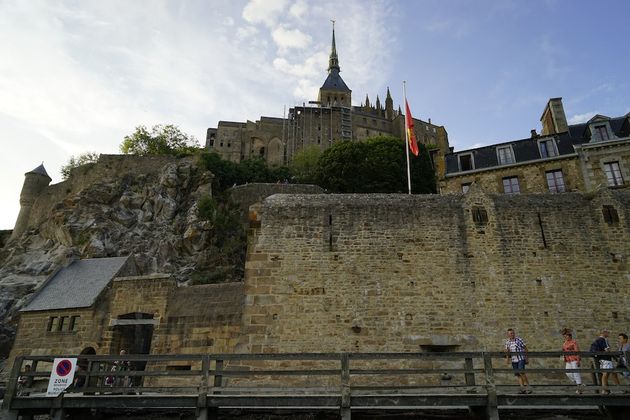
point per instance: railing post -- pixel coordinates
(492, 410)
(202, 399)
(345, 387)
(469, 376)
(218, 378)
(12, 385)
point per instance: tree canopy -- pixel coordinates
(161, 140)
(304, 164)
(76, 161)
(377, 165)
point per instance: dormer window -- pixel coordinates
(601, 132)
(505, 155)
(547, 148)
(600, 129)
(466, 162)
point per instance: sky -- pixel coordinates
(77, 76)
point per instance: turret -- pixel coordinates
(389, 106)
(35, 182)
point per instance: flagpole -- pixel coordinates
(407, 138)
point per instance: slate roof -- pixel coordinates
(335, 82)
(76, 286)
(527, 149)
(40, 170)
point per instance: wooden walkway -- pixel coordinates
(482, 384)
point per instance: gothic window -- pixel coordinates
(611, 217)
(511, 186)
(555, 181)
(613, 174)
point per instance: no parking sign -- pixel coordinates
(61, 376)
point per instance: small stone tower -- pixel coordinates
(35, 182)
(334, 91)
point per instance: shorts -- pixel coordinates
(520, 365)
(606, 364)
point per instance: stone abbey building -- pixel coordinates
(329, 119)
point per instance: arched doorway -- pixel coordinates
(275, 152)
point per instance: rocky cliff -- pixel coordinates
(121, 205)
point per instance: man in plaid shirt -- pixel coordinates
(515, 344)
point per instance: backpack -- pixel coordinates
(594, 348)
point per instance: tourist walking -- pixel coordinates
(572, 361)
(516, 353)
(605, 362)
(624, 346)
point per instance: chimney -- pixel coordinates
(553, 118)
(534, 133)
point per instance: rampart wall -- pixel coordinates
(432, 273)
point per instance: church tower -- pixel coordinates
(334, 91)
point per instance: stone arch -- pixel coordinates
(88, 350)
(258, 147)
(275, 152)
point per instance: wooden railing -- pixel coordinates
(322, 381)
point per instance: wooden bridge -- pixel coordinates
(475, 384)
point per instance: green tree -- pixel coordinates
(377, 165)
(76, 161)
(161, 140)
(304, 164)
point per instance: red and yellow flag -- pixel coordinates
(411, 137)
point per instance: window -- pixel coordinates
(613, 174)
(601, 132)
(555, 181)
(62, 321)
(547, 148)
(505, 155)
(480, 215)
(72, 326)
(52, 323)
(510, 185)
(465, 187)
(466, 162)
(610, 215)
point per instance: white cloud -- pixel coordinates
(290, 38)
(299, 9)
(582, 118)
(311, 67)
(264, 11)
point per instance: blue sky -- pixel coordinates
(77, 76)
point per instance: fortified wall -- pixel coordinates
(398, 273)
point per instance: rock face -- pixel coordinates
(145, 206)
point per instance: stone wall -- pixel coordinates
(531, 177)
(246, 195)
(413, 273)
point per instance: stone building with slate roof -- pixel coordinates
(562, 158)
(102, 305)
(321, 123)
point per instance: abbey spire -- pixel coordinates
(334, 91)
(333, 61)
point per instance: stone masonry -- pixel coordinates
(395, 273)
